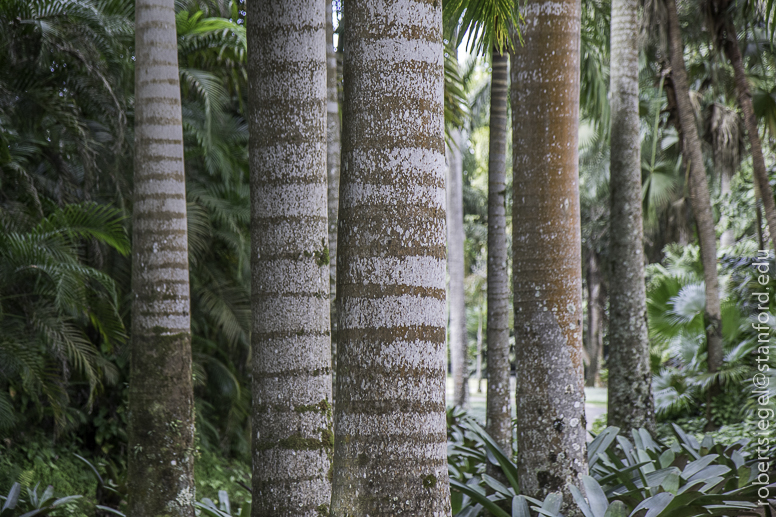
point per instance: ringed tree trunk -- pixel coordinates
(546, 239)
(293, 440)
(595, 319)
(699, 191)
(745, 102)
(630, 402)
(498, 413)
(160, 477)
(332, 164)
(455, 270)
(390, 451)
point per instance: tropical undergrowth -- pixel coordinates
(634, 476)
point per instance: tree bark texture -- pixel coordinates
(332, 162)
(547, 271)
(160, 478)
(292, 441)
(498, 414)
(700, 197)
(390, 438)
(630, 402)
(750, 120)
(595, 319)
(455, 270)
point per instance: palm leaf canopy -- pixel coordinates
(485, 24)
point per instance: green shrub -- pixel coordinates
(36, 464)
(689, 478)
(213, 473)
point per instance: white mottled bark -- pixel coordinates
(292, 442)
(455, 270)
(390, 439)
(161, 403)
(547, 251)
(630, 403)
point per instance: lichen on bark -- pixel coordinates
(292, 442)
(547, 251)
(390, 409)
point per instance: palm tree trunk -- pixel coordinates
(455, 271)
(630, 403)
(546, 239)
(390, 439)
(478, 372)
(699, 190)
(745, 101)
(498, 414)
(160, 477)
(291, 347)
(333, 166)
(595, 319)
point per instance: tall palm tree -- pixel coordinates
(291, 343)
(390, 440)
(487, 25)
(699, 192)
(459, 339)
(547, 250)
(161, 401)
(725, 135)
(630, 402)
(727, 39)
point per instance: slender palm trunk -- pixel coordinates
(390, 455)
(745, 102)
(292, 442)
(498, 414)
(700, 197)
(455, 271)
(630, 403)
(546, 239)
(726, 173)
(595, 319)
(161, 402)
(478, 372)
(332, 164)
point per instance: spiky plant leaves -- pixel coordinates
(485, 24)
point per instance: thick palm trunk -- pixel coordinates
(630, 403)
(595, 319)
(390, 440)
(546, 239)
(699, 190)
(455, 270)
(332, 164)
(498, 414)
(161, 403)
(292, 442)
(745, 102)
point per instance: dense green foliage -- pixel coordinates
(687, 478)
(66, 112)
